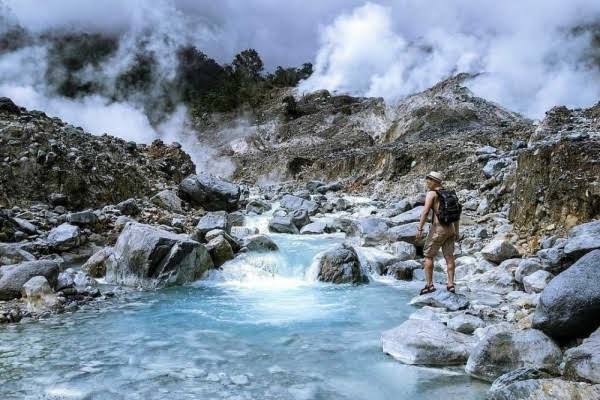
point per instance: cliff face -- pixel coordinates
(556, 182)
(44, 159)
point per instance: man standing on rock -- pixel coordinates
(443, 231)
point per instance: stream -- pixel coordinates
(260, 328)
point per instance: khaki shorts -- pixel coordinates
(439, 237)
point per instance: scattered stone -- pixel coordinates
(151, 257)
(13, 254)
(537, 281)
(13, 277)
(25, 226)
(423, 342)
(499, 353)
(210, 192)
(315, 228)
(240, 232)
(494, 166)
(582, 363)
(340, 265)
(569, 306)
(443, 299)
(499, 250)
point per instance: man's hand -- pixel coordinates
(419, 233)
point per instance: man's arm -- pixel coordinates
(428, 205)
(457, 230)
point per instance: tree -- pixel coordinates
(248, 65)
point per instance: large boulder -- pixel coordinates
(283, 225)
(408, 216)
(499, 353)
(545, 389)
(38, 295)
(340, 265)
(465, 323)
(570, 305)
(151, 257)
(210, 221)
(372, 231)
(64, 237)
(292, 203)
(426, 342)
(220, 250)
(210, 192)
(168, 200)
(582, 239)
(13, 277)
(526, 267)
(11, 253)
(300, 218)
(403, 250)
(95, 266)
(582, 363)
(499, 250)
(86, 217)
(407, 233)
(537, 281)
(442, 299)
(257, 206)
(260, 243)
(402, 270)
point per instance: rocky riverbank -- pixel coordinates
(79, 209)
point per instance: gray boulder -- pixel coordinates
(64, 237)
(259, 243)
(25, 226)
(545, 389)
(442, 299)
(95, 266)
(582, 363)
(257, 206)
(426, 342)
(168, 200)
(499, 250)
(291, 203)
(465, 323)
(582, 239)
(233, 242)
(129, 207)
(210, 192)
(517, 375)
(527, 267)
(537, 281)
(409, 216)
(300, 218)
(87, 217)
(407, 233)
(38, 295)
(283, 225)
(494, 166)
(554, 258)
(316, 228)
(499, 353)
(570, 305)
(13, 277)
(220, 250)
(340, 265)
(403, 270)
(151, 257)
(403, 250)
(371, 230)
(13, 254)
(210, 221)
(240, 232)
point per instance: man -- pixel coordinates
(441, 235)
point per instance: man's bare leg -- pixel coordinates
(450, 267)
(428, 267)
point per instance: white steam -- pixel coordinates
(529, 57)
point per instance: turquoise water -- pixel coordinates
(260, 329)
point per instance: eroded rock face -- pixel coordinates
(341, 265)
(582, 363)
(151, 257)
(499, 353)
(13, 277)
(427, 343)
(570, 305)
(210, 192)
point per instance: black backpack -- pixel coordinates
(450, 208)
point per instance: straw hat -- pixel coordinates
(435, 176)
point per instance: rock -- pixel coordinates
(292, 203)
(403, 250)
(13, 277)
(494, 166)
(210, 221)
(86, 217)
(220, 251)
(259, 243)
(7, 106)
(519, 374)
(64, 237)
(443, 299)
(283, 225)
(553, 258)
(236, 218)
(95, 266)
(492, 329)
(38, 295)
(582, 239)
(340, 265)
(526, 267)
(129, 207)
(13, 254)
(315, 228)
(151, 257)
(25, 226)
(570, 305)
(499, 353)
(486, 150)
(407, 233)
(257, 206)
(210, 192)
(499, 250)
(545, 389)
(300, 218)
(371, 230)
(409, 216)
(537, 281)
(424, 342)
(312, 186)
(465, 323)
(168, 200)
(582, 363)
(74, 279)
(331, 187)
(233, 242)
(402, 270)
(240, 232)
